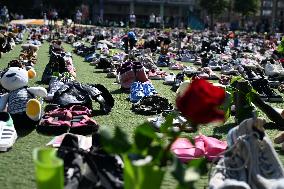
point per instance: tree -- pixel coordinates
(214, 7)
(246, 7)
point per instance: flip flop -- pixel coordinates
(185, 150)
(212, 146)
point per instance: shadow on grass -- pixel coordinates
(273, 126)
(224, 129)
(40, 83)
(279, 150)
(119, 91)
(22, 132)
(99, 71)
(98, 113)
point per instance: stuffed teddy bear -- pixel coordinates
(24, 109)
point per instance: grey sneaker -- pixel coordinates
(230, 172)
(264, 168)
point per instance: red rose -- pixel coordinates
(200, 102)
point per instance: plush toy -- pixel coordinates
(24, 109)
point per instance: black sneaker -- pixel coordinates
(271, 94)
(256, 84)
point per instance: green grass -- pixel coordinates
(17, 169)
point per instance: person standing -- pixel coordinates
(152, 20)
(132, 19)
(158, 21)
(78, 17)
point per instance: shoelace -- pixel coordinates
(242, 140)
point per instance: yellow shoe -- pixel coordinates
(33, 109)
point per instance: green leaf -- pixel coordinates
(178, 171)
(117, 143)
(199, 165)
(186, 176)
(144, 135)
(168, 123)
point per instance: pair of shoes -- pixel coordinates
(8, 134)
(62, 120)
(251, 161)
(139, 90)
(208, 147)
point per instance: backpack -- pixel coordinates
(89, 170)
(75, 93)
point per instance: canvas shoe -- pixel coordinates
(271, 70)
(264, 168)
(170, 79)
(8, 134)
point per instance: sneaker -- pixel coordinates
(258, 87)
(271, 94)
(263, 166)
(271, 70)
(8, 134)
(228, 70)
(190, 70)
(54, 85)
(214, 65)
(170, 79)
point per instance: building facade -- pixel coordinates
(172, 12)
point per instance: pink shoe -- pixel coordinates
(185, 150)
(61, 113)
(77, 110)
(83, 125)
(212, 146)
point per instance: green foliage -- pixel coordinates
(280, 47)
(214, 7)
(246, 7)
(148, 157)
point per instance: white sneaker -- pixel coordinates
(271, 70)
(170, 79)
(8, 134)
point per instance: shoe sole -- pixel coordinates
(275, 99)
(8, 147)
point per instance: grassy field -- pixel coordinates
(17, 169)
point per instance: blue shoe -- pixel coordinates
(136, 92)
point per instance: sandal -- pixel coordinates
(185, 150)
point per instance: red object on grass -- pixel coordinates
(200, 102)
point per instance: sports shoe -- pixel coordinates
(170, 79)
(271, 94)
(8, 134)
(228, 69)
(271, 70)
(263, 165)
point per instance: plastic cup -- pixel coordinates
(49, 171)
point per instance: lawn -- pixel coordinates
(17, 169)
